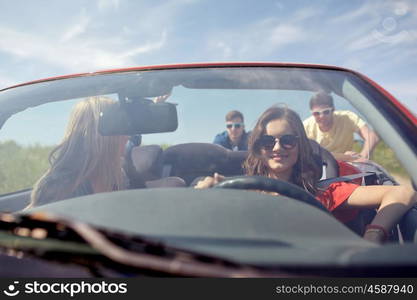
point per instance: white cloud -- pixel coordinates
(90, 40)
(147, 47)
(376, 10)
(76, 29)
(282, 35)
(104, 5)
(367, 10)
(226, 52)
(258, 39)
(79, 55)
(364, 42)
(156, 17)
(265, 37)
(19, 44)
(302, 15)
(365, 38)
(377, 24)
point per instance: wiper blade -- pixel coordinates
(125, 250)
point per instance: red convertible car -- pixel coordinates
(156, 223)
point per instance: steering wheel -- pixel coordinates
(270, 185)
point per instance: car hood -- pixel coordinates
(244, 226)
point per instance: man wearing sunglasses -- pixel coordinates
(234, 137)
(334, 130)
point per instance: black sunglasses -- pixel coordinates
(287, 141)
(324, 112)
(235, 125)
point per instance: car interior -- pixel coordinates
(184, 164)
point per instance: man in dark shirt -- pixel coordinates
(234, 137)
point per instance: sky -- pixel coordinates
(46, 38)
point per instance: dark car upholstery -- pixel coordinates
(195, 160)
(144, 166)
(147, 161)
(330, 167)
(190, 162)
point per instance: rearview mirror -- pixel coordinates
(139, 117)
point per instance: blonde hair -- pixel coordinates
(305, 172)
(82, 155)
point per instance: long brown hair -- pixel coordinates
(82, 155)
(305, 172)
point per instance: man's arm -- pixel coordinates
(217, 139)
(347, 156)
(220, 139)
(370, 138)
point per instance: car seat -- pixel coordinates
(191, 161)
(143, 166)
(186, 164)
(326, 161)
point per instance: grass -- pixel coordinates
(21, 167)
(385, 156)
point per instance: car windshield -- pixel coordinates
(178, 125)
(203, 98)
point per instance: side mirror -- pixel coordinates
(139, 117)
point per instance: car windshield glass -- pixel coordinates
(151, 136)
(203, 98)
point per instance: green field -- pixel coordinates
(384, 156)
(21, 167)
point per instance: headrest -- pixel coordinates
(234, 165)
(198, 156)
(191, 160)
(147, 161)
(324, 158)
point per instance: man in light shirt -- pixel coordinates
(334, 130)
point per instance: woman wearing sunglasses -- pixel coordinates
(280, 149)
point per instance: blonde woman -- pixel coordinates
(85, 162)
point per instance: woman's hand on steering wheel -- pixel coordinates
(209, 181)
(260, 183)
